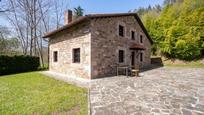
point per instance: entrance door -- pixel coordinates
(133, 58)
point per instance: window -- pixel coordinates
(55, 56)
(121, 56)
(141, 39)
(141, 57)
(133, 35)
(121, 31)
(76, 55)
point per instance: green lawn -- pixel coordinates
(192, 64)
(33, 93)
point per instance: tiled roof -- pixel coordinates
(137, 46)
(92, 16)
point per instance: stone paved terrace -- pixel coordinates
(165, 91)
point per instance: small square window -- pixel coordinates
(141, 39)
(133, 35)
(55, 56)
(76, 55)
(121, 31)
(121, 56)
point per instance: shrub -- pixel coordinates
(187, 50)
(16, 64)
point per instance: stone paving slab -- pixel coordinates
(163, 91)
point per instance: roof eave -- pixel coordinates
(65, 27)
(100, 16)
(143, 28)
(124, 14)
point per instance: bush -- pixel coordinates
(187, 50)
(16, 64)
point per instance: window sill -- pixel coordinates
(122, 63)
(54, 63)
(76, 63)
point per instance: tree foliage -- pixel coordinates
(177, 29)
(7, 43)
(29, 20)
(78, 11)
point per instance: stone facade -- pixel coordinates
(64, 42)
(105, 44)
(99, 44)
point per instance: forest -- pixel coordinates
(177, 28)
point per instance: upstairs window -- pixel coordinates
(132, 35)
(121, 56)
(76, 55)
(141, 39)
(55, 56)
(121, 31)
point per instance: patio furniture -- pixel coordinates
(135, 71)
(126, 68)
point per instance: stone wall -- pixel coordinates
(76, 37)
(99, 43)
(105, 43)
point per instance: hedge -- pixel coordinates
(17, 64)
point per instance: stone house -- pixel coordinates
(92, 46)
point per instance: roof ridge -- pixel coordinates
(88, 16)
(110, 14)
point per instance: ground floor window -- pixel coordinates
(76, 55)
(121, 55)
(133, 58)
(55, 56)
(141, 57)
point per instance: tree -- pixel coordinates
(78, 11)
(2, 9)
(158, 8)
(31, 19)
(8, 44)
(177, 29)
(167, 2)
(58, 9)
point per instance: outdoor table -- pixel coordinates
(123, 67)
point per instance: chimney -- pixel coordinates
(67, 17)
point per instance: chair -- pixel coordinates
(135, 71)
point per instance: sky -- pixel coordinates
(105, 6)
(112, 6)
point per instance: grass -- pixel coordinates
(33, 93)
(43, 68)
(184, 66)
(193, 64)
